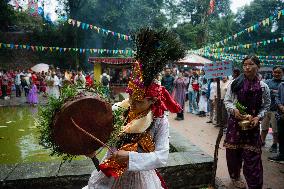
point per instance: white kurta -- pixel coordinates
(140, 173)
(53, 90)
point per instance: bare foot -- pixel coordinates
(238, 183)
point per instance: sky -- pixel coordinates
(239, 3)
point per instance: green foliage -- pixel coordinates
(45, 119)
(241, 108)
(156, 48)
(118, 123)
(46, 114)
(6, 15)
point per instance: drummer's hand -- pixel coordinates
(238, 115)
(121, 156)
(254, 122)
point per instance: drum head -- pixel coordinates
(90, 113)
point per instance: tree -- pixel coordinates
(6, 15)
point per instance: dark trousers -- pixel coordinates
(252, 166)
(18, 90)
(280, 127)
(224, 114)
(26, 91)
(4, 90)
(180, 115)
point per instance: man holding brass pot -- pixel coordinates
(247, 100)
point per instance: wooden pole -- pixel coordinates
(220, 124)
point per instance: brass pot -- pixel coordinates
(245, 125)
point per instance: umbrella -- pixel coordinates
(194, 60)
(40, 67)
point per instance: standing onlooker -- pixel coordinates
(280, 124)
(24, 85)
(180, 85)
(269, 117)
(18, 84)
(89, 80)
(243, 146)
(193, 89)
(213, 102)
(203, 101)
(236, 73)
(80, 79)
(105, 79)
(32, 96)
(223, 88)
(168, 80)
(4, 84)
(53, 85)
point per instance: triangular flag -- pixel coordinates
(83, 25)
(78, 23)
(267, 21)
(69, 21)
(87, 26)
(24, 46)
(57, 48)
(0, 45)
(73, 22)
(83, 50)
(60, 49)
(16, 46)
(91, 26)
(8, 45)
(50, 48)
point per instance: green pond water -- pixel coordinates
(19, 137)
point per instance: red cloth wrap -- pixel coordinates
(164, 100)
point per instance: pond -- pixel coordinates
(19, 137)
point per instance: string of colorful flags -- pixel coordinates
(242, 56)
(265, 62)
(265, 22)
(244, 46)
(63, 49)
(85, 26)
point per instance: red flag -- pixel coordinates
(211, 6)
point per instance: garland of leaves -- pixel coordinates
(47, 113)
(45, 118)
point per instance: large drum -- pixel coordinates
(90, 113)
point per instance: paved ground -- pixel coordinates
(204, 135)
(20, 101)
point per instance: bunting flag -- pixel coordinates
(85, 26)
(41, 48)
(265, 60)
(211, 6)
(242, 56)
(256, 26)
(243, 46)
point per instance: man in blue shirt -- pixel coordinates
(168, 81)
(280, 124)
(270, 118)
